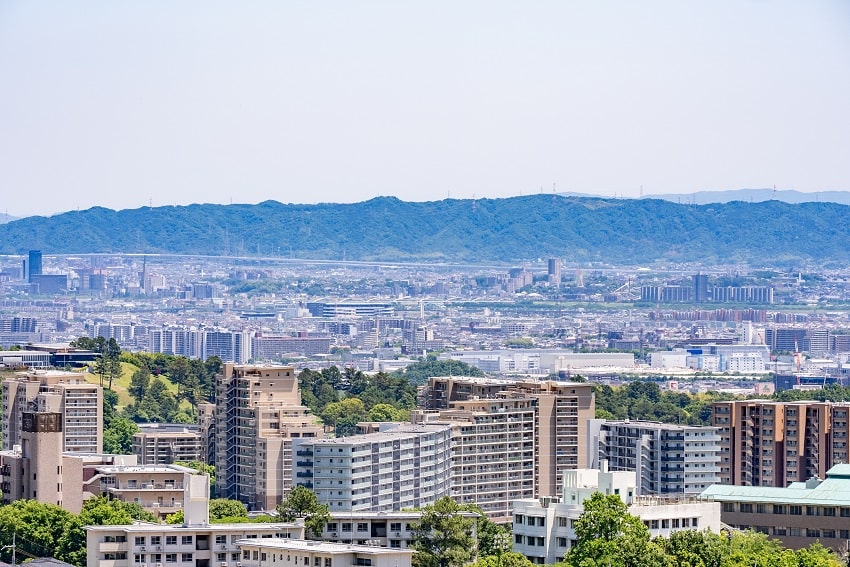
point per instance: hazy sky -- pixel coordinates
(125, 104)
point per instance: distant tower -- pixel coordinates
(554, 271)
(700, 288)
(34, 264)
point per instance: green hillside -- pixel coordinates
(451, 230)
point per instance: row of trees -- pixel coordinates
(46, 530)
(606, 536)
(343, 398)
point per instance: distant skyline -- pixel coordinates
(124, 105)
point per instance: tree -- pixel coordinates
(443, 537)
(139, 382)
(175, 519)
(118, 437)
(508, 559)
(225, 508)
(97, 511)
(36, 526)
(607, 535)
(301, 502)
(384, 412)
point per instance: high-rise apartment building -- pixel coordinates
(66, 393)
(402, 467)
(167, 443)
(510, 438)
(258, 413)
(668, 459)
(766, 443)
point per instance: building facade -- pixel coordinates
(544, 529)
(402, 467)
(258, 413)
(166, 443)
(668, 459)
(767, 443)
(798, 515)
(67, 393)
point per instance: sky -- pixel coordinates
(131, 104)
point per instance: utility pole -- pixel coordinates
(13, 547)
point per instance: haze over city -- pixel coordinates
(129, 105)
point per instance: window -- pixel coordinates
(518, 538)
(186, 558)
(346, 527)
(395, 527)
(812, 511)
(665, 524)
(395, 543)
(795, 510)
(331, 527)
(746, 508)
(794, 532)
(812, 532)
(221, 540)
(186, 540)
(171, 558)
(518, 519)
(828, 534)
(779, 531)
(362, 527)
(328, 562)
(562, 542)
(845, 513)
(829, 512)
(171, 540)
(778, 509)
(562, 522)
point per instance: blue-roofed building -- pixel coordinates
(799, 515)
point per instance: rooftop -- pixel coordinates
(834, 491)
(322, 546)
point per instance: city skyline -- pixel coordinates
(125, 106)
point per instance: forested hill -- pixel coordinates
(451, 230)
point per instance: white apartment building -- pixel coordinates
(281, 552)
(66, 393)
(195, 543)
(403, 466)
(668, 459)
(385, 529)
(159, 489)
(544, 529)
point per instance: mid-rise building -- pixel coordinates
(166, 443)
(195, 543)
(767, 443)
(544, 529)
(65, 393)
(551, 421)
(261, 552)
(798, 515)
(668, 459)
(401, 467)
(258, 413)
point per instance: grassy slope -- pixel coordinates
(122, 384)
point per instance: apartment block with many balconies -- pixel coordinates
(668, 459)
(258, 413)
(767, 443)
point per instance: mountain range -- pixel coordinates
(626, 231)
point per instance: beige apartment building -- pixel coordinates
(258, 413)
(766, 443)
(167, 443)
(80, 404)
(560, 422)
(38, 469)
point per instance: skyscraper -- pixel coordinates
(33, 264)
(700, 288)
